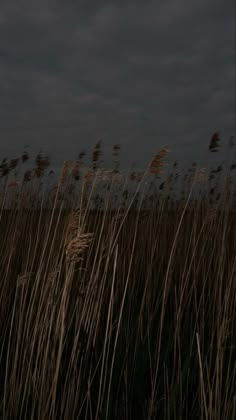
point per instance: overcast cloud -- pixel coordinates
(143, 74)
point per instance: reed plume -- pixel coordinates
(76, 239)
(214, 143)
(157, 163)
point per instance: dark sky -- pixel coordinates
(144, 74)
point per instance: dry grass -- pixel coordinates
(124, 311)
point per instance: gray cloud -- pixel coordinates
(143, 74)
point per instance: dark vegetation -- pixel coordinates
(117, 304)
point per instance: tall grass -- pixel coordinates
(122, 311)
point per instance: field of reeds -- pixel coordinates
(117, 294)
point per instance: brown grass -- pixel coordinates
(123, 311)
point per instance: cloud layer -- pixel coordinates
(142, 74)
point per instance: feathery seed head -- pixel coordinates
(157, 162)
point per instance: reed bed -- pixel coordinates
(117, 304)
